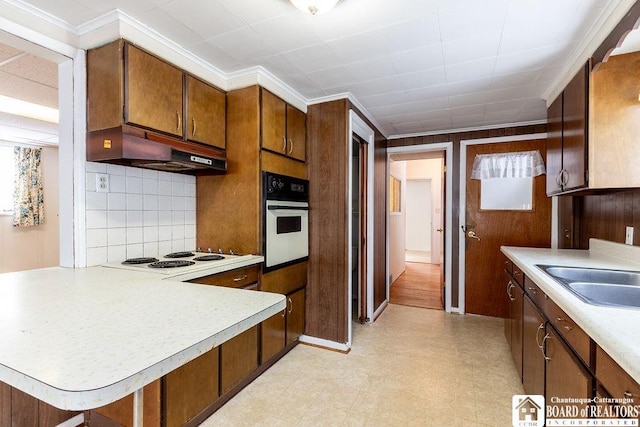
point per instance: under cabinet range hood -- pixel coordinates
(130, 146)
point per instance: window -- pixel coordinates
(6, 180)
(394, 194)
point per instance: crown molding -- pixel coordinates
(613, 13)
(470, 129)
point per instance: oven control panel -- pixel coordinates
(282, 187)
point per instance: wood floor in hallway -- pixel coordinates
(418, 286)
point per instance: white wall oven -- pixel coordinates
(286, 220)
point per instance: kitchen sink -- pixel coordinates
(598, 286)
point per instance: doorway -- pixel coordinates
(358, 229)
(419, 248)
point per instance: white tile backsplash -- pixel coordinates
(145, 213)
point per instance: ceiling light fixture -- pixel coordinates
(314, 7)
(28, 109)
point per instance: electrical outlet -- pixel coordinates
(629, 236)
(102, 182)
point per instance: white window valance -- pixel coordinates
(522, 164)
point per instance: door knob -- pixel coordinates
(439, 230)
(472, 234)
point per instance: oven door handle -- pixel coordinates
(287, 208)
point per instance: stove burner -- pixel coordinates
(179, 255)
(208, 258)
(171, 264)
(134, 261)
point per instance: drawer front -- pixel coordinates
(617, 382)
(508, 267)
(285, 280)
(518, 275)
(535, 293)
(572, 333)
(238, 278)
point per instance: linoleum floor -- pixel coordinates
(412, 367)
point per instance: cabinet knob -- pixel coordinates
(240, 278)
(628, 395)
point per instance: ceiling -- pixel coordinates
(416, 66)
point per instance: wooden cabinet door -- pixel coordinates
(153, 93)
(554, 146)
(295, 315)
(273, 336)
(190, 389)
(565, 377)
(533, 329)
(574, 130)
(273, 119)
(238, 358)
(206, 113)
(296, 133)
(517, 326)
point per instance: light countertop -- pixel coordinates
(82, 338)
(615, 330)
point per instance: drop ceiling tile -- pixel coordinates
(27, 90)
(469, 86)
(424, 78)
(70, 11)
(384, 99)
(33, 68)
(251, 13)
(7, 52)
(285, 33)
(332, 77)
(470, 49)
(515, 79)
(520, 92)
(204, 17)
(532, 114)
(371, 69)
(420, 94)
(477, 98)
(469, 121)
(467, 110)
(470, 70)
(243, 44)
(458, 20)
(358, 47)
(167, 25)
(407, 61)
(501, 117)
(217, 57)
(375, 87)
(17, 122)
(494, 107)
(313, 58)
(525, 60)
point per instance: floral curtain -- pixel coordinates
(522, 164)
(28, 197)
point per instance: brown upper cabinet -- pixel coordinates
(128, 86)
(594, 121)
(567, 140)
(283, 127)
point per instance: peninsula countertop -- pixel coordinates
(615, 330)
(82, 338)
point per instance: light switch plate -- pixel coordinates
(629, 236)
(102, 182)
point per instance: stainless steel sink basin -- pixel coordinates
(607, 293)
(599, 286)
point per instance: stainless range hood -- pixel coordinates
(131, 146)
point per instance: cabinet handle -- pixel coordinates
(284, 312)
(564, 177)
(284, 145)
(534, 291)
(542, 349)
(290, 305)
(193, 134)
(179, 121)
(290, 146)
(509, 287)
(540, 328)
(567, 327)
(628, 395)
(240, 278)
(559, 179)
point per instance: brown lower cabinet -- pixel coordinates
(191, 388)
(273, 336)
(238, 358)
(533, 363)
(565, 376)
(18, 409)
(295, 315)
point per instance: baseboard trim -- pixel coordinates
(326, 344)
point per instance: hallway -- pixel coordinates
(412, 367)
(418, 286)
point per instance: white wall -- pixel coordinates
(145, 213)
(418, 215)
(430, 169)
(397, 225)
(26, 248)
